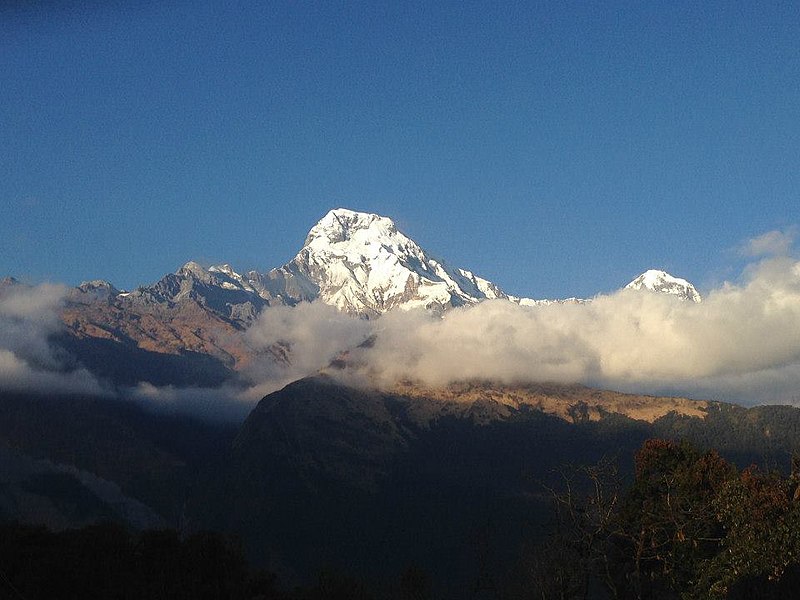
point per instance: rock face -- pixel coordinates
(183, 330)
(664, 283)
(219, 289)
(572, 403)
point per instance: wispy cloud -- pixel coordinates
(28, 361)
(771, 243)
(227, 403)
(310, 334)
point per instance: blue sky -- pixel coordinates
(557, 149)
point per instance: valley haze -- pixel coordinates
(362, 293)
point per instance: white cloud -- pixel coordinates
(19, 376)
(28, 317)
(771, 243)
(741, 343)
(311, 334)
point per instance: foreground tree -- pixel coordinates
(690, 526)
(761, 548)
(668, 522)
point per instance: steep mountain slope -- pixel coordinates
(141, 336)
(368, 425)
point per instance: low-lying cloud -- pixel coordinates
(29, 316)
(741, 343)
(228, 403)
(292, 342)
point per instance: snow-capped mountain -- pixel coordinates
(362, 264)
(186, 327)
(358, 262)
(664, 283)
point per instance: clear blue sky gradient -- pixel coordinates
(558, 149)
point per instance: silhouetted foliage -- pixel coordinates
(689, 526)
(106, 561)
(415, 584)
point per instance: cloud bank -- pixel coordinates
(742, 343)
(306, 337)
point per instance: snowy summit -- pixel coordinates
(663, 282)
(360, 263)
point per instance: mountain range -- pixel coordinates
(361, 264)
(185, 329)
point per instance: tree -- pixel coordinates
(668, 519)
(761, 518)
(578, 557)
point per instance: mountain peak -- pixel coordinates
(193, 268)
(342, 224)
(225, 269)
(98, 286)
(361, 263)
(655, 280)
